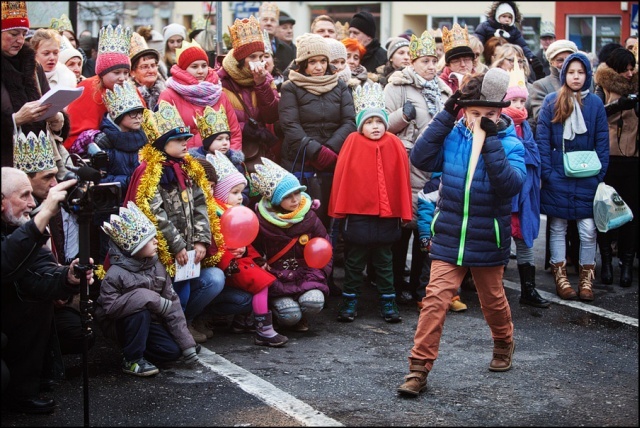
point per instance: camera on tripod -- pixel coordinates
(89, 196)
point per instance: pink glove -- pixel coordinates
(315, 204)
(326, 158)
(84, 139)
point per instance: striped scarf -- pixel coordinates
(205, 93)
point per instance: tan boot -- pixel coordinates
(563, 287)
(416, 381)
(587, 273)
(502, 355)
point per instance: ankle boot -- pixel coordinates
(563, 287)
(626, 270)
(606, 256)
(587, 273)
(265, 333)
(528, 293)
(502, 355)
(416, 381)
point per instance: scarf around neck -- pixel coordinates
(172, 171)
(317, 85)
(200, 93)
(575, 123)
(284, 220)
(431, 94)
(241, 76)
(518, 116)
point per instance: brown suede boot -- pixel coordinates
(416, 381)
(563, 287)
(587, 273)
(502, 355)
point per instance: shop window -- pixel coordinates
(591, 33)
(530, 29)
(447, 21)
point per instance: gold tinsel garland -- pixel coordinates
(146, 190)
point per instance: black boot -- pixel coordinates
(606, 255)
(528, 294)
(626, 270)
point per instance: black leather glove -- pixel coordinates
(451, 105)
(425, 245)
(489, 126)
(409, 111)
(627, 103)
(537, 67)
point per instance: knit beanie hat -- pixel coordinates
(190, 52)
(620, 59)
(491, 93)
(560, 46)
(505, 8)
(228, 175)
(311, 45)
(364, 22)
(173, 30)
(67, 51)
(209, 170)
(368, 100)
(395, 44)
(113, 49)
(14, 15)
(336, 49)
(578, 56)
(274, 182)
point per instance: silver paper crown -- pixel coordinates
(267, 177)
(33, 153)
(368, 96)
(122, 99)
(267, 43)
(130, 230)
(114, 40)
(223, 166)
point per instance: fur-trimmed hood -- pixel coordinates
(612, 81)
(494, 6)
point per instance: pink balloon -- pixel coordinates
(318, 252)
(239, 226)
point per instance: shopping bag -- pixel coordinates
(609, 210)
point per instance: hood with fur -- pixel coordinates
(494, 6)
(611, 81)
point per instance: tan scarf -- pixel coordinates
(241, 76)
(317, 85)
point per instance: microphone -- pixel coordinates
(86, 173)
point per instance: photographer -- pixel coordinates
(32, 280)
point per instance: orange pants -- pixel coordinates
(445, 279)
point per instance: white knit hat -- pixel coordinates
(505, 8)
(172, 30)
(336, 49)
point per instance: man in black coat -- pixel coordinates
(269, 18)
(362, 27)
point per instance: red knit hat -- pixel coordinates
(190, 52)
(14, 15)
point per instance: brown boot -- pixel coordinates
(587, 273)
(502, 355)
(563, 287)
(416, 381)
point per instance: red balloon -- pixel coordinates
(317, 252)
(239, 226)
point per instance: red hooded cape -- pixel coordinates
(372, 178)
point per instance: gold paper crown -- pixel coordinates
(130, 230)
(122, 99)
(455, 37)
(267, 177)
(342, 31)
(61, 24)
(33, 153)
(223, 166)
(186, 45)
(114, 40)
(517, 78)
(269, 9)
(245, 31)
(149, 126)
(138, 44)
(435, 33)
(166, 119)
(267, 42)
(368, 96)
(199, 24)
(14, 10)
(423, 46)
(212, 122)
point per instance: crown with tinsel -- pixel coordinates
(425, 45)
(61, 24)
(368, 100)
(122, 99)
(455, 37)
(269, 9)
(164, 125)
(14, 15)
(199, 24)
(114, 40)
(212, 122)
(267, 42)
(273, 181)
(131, 229)
(33, 153)
(245, 32)
(342, 30)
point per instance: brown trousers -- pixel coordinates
(445, 280)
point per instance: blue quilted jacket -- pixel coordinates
(472, 222)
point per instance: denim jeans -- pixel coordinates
(588, 237)
(199, 291)
(230, 301)
(140, 337)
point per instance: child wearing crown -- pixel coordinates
(244, 267)
(170, 187)
(137, 305)
(194, 85)
(287, 222)
(372, 214)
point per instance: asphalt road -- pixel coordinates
(575, 364)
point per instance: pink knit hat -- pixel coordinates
(516, 92)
